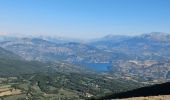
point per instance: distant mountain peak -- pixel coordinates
(113, 36)
(157, 36)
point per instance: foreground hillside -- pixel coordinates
(160, 97)
(154, 90)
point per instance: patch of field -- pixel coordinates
(12, 78)
(66, 92)
(14, 97)
(9, 92)
(4, 89)
(23, 86)
(5, 86)
(161, 97)
(36, 89)
(3, 79)
(62, 93)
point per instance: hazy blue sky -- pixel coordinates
(84, 18)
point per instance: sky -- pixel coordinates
(84, 18)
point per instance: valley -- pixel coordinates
(34, 68)
(47, 86)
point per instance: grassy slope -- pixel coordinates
(160, 97)
(154, 90)
(13, 67)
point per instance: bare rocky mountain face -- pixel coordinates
(146, 46)
(144, 71)
(147, 56)
(42, 50)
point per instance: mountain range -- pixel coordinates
(139, 58)
(60, 68)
